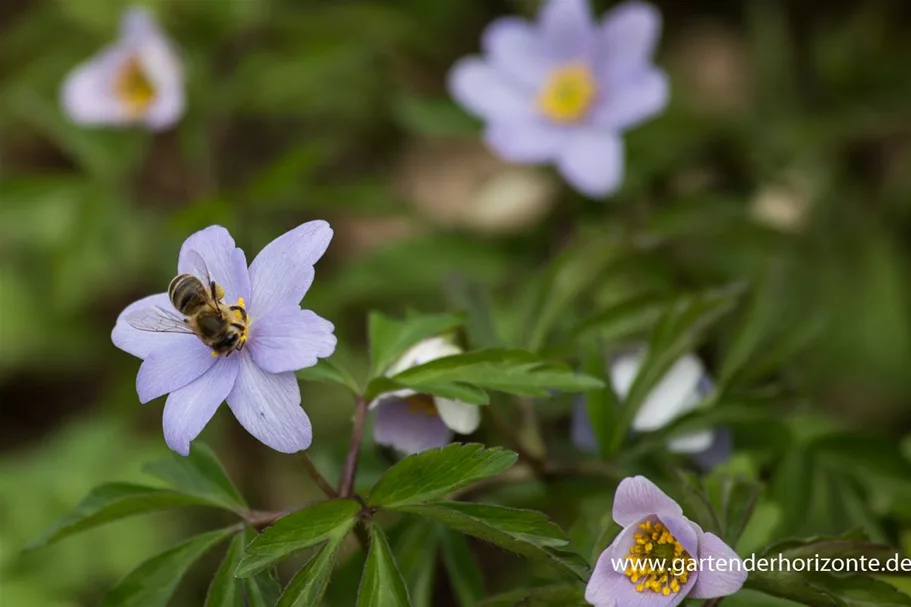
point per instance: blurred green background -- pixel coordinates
(784, 156)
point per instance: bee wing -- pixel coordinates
(157, 320)
(198, 267)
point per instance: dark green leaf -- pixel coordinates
(864, 455)
(524, 532)
(454, 390)
(464, 574)
(547, 596)
(153, 582)
(626, 319)
(479, 324)
(301, 529)
(262, 589)
(435, 472)
(416, 555)
(602, 404)
(226, 590)
(309, 585)
(113, 502)
(818, 589)
(390, 339)
(382, 584)
(326, 371)
(852, 544)
(199, 474)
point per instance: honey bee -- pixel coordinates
(218, 325)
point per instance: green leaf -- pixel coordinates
(309, 584)
(382, 584)
(547, 596)
(326, 371)
(864, 455)
(300, 529)
(852, 544)
(432, 117)
(464, 575)
(626, 319)
(513, 371)
(226, 590)
(153, 582)
(199, 474)
(390, 339)
(454, 390)
(433, 473)
(112, 502)
(602, 404)
(524, 532)
(827, 590)
(263, 589)
(416, 555)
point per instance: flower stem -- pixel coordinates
(346, 482)
(315, 474)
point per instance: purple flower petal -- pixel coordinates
(137, 22)
(632, 101)
(514, 48)
(283, 271)
(581, 432)
(484, 91)
(683, 532)
(592, 162)
(638, 497)
(712, 582)
(189, 409)
(525, 142)
(87, 94)
(268, 406)
(628, 38)
(172, 367)
(568, 29)
(408, 429)
(142, 343)
(289, 338)
(719, 452)
(214, 249)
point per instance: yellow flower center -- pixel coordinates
(133, 88)
(421, 403)
(568, 93)
(657, 562)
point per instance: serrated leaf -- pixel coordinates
(199, 474)
(465, 576)
(382, 584)
(416, 554)
(154, 581)
(327, 371)
(226, 590)
(390, 339)
(525, 532)
(454, 390)
(308, 586)
(433, 473)
(301, 529)
(112, 502)
(547, 596)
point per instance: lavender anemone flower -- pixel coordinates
(562, 90)
(679, 392)
(136, 80)
(256, 373)
(411, 422)
(661, 557)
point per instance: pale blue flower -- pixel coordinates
(258, 380)
(564, 89)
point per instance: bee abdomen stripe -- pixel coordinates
(184, 293)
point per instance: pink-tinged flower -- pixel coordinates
(138, 79)
(661, 557)
(411, 422)
(562, 90)
(254, 372)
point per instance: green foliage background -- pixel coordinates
(302, 109)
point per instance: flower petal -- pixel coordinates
(283, 271)
(719, 452)
(213, 250)
(407, 429)
(526, 142)
(682, 531)
(422, 352)
(289, 338)
(172, 367)
(142, 343)
(592, 162)
(268, 406)
(674, 395)
(568, 29)
(628, 37)
(458, 416)
(189, 409)
(486, 92)
(581, 432)
(712, 582)
(87, 93)
(631, 101)
(692, 442)
(638, 497)
(514, 48)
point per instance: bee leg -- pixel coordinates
(213, 289)
(243, 312)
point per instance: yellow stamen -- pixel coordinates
(421, 403)
(133, 87)
(239, 316)
(658, 560)
(568, 93)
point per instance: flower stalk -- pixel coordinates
(346, 482)
(317, 476)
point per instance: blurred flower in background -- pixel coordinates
(564, 89)
(138, 79)
(412, 422)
